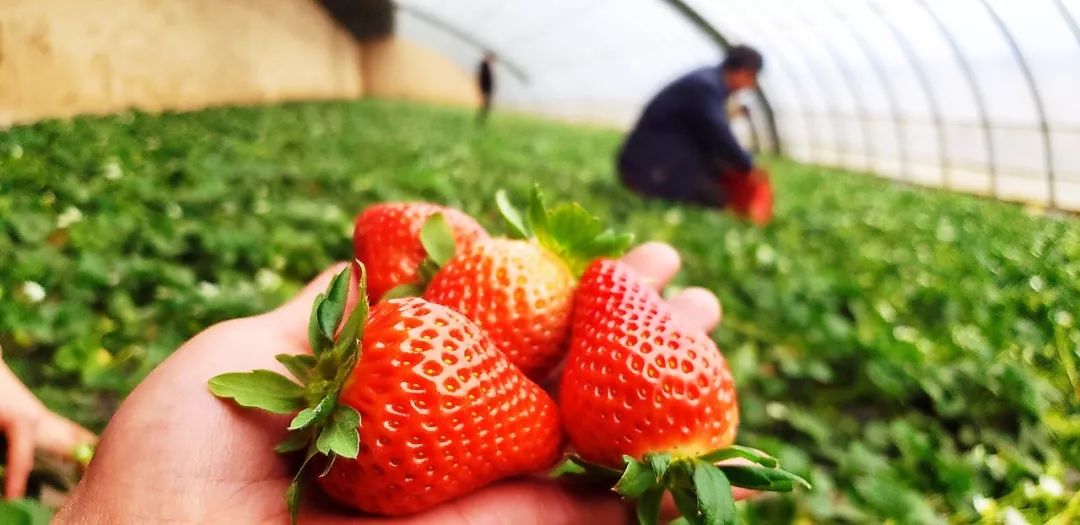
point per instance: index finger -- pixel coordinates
(658, 262)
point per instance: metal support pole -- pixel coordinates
(924, 83)
(1040, 107)
(977, 94)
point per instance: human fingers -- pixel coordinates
(20, 458)
(657, 261)
(59, 437)
(697, 307)
(513, 502)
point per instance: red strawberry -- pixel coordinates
(643, 393)
(521, 291)
(412, 406)
(387, 240)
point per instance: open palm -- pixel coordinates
(174, 452)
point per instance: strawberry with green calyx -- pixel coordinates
(649, 404)
(520, 291)
(389, 238)
(405, 408)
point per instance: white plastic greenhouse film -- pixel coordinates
(825, 59)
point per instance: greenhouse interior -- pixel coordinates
(562, 262)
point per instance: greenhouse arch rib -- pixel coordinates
(703, 25)
(890, 94)
(1040, 107)
(1069, 19)
(924, 82)
(973, 84)
(831, 114)
(511, 66)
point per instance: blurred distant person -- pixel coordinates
(683, 149)
(485, 79)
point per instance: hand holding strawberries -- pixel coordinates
(173, 452)
(411, 407)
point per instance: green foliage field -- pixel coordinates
(912, 352)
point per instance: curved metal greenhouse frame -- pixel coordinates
(990, 103)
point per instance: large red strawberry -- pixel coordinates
(387, 239)
(654, 399)
(520, 291)
(411, 406)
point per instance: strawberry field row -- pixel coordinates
(912, 352)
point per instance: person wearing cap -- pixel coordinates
(682, 147)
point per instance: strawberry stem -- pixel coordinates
(321, 426)
(567, 230)
(702, 490)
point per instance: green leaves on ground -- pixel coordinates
(913, 350)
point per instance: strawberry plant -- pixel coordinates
(910, 352)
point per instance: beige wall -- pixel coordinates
(64, 57)
(397, 68)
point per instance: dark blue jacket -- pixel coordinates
(682, 137)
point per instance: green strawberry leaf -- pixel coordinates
(340, 436)
(566, 467)
(714, 500)
(761, 478)
(332, 308)
(348, 344)
(636, 478)
(296, 440)
(316, 339)
(294, 490)
(536, 213)
(567, 230)
(292, 500)
(648, 506)
(404, 290)
(512, 215)
(328, 466)
(427, 270)
(736, 451)
(320, 424)
(438, 239)
(658, 462)
(576, 466)
(687, 504)
(311, 415)
(300, 366)
(262, 389)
